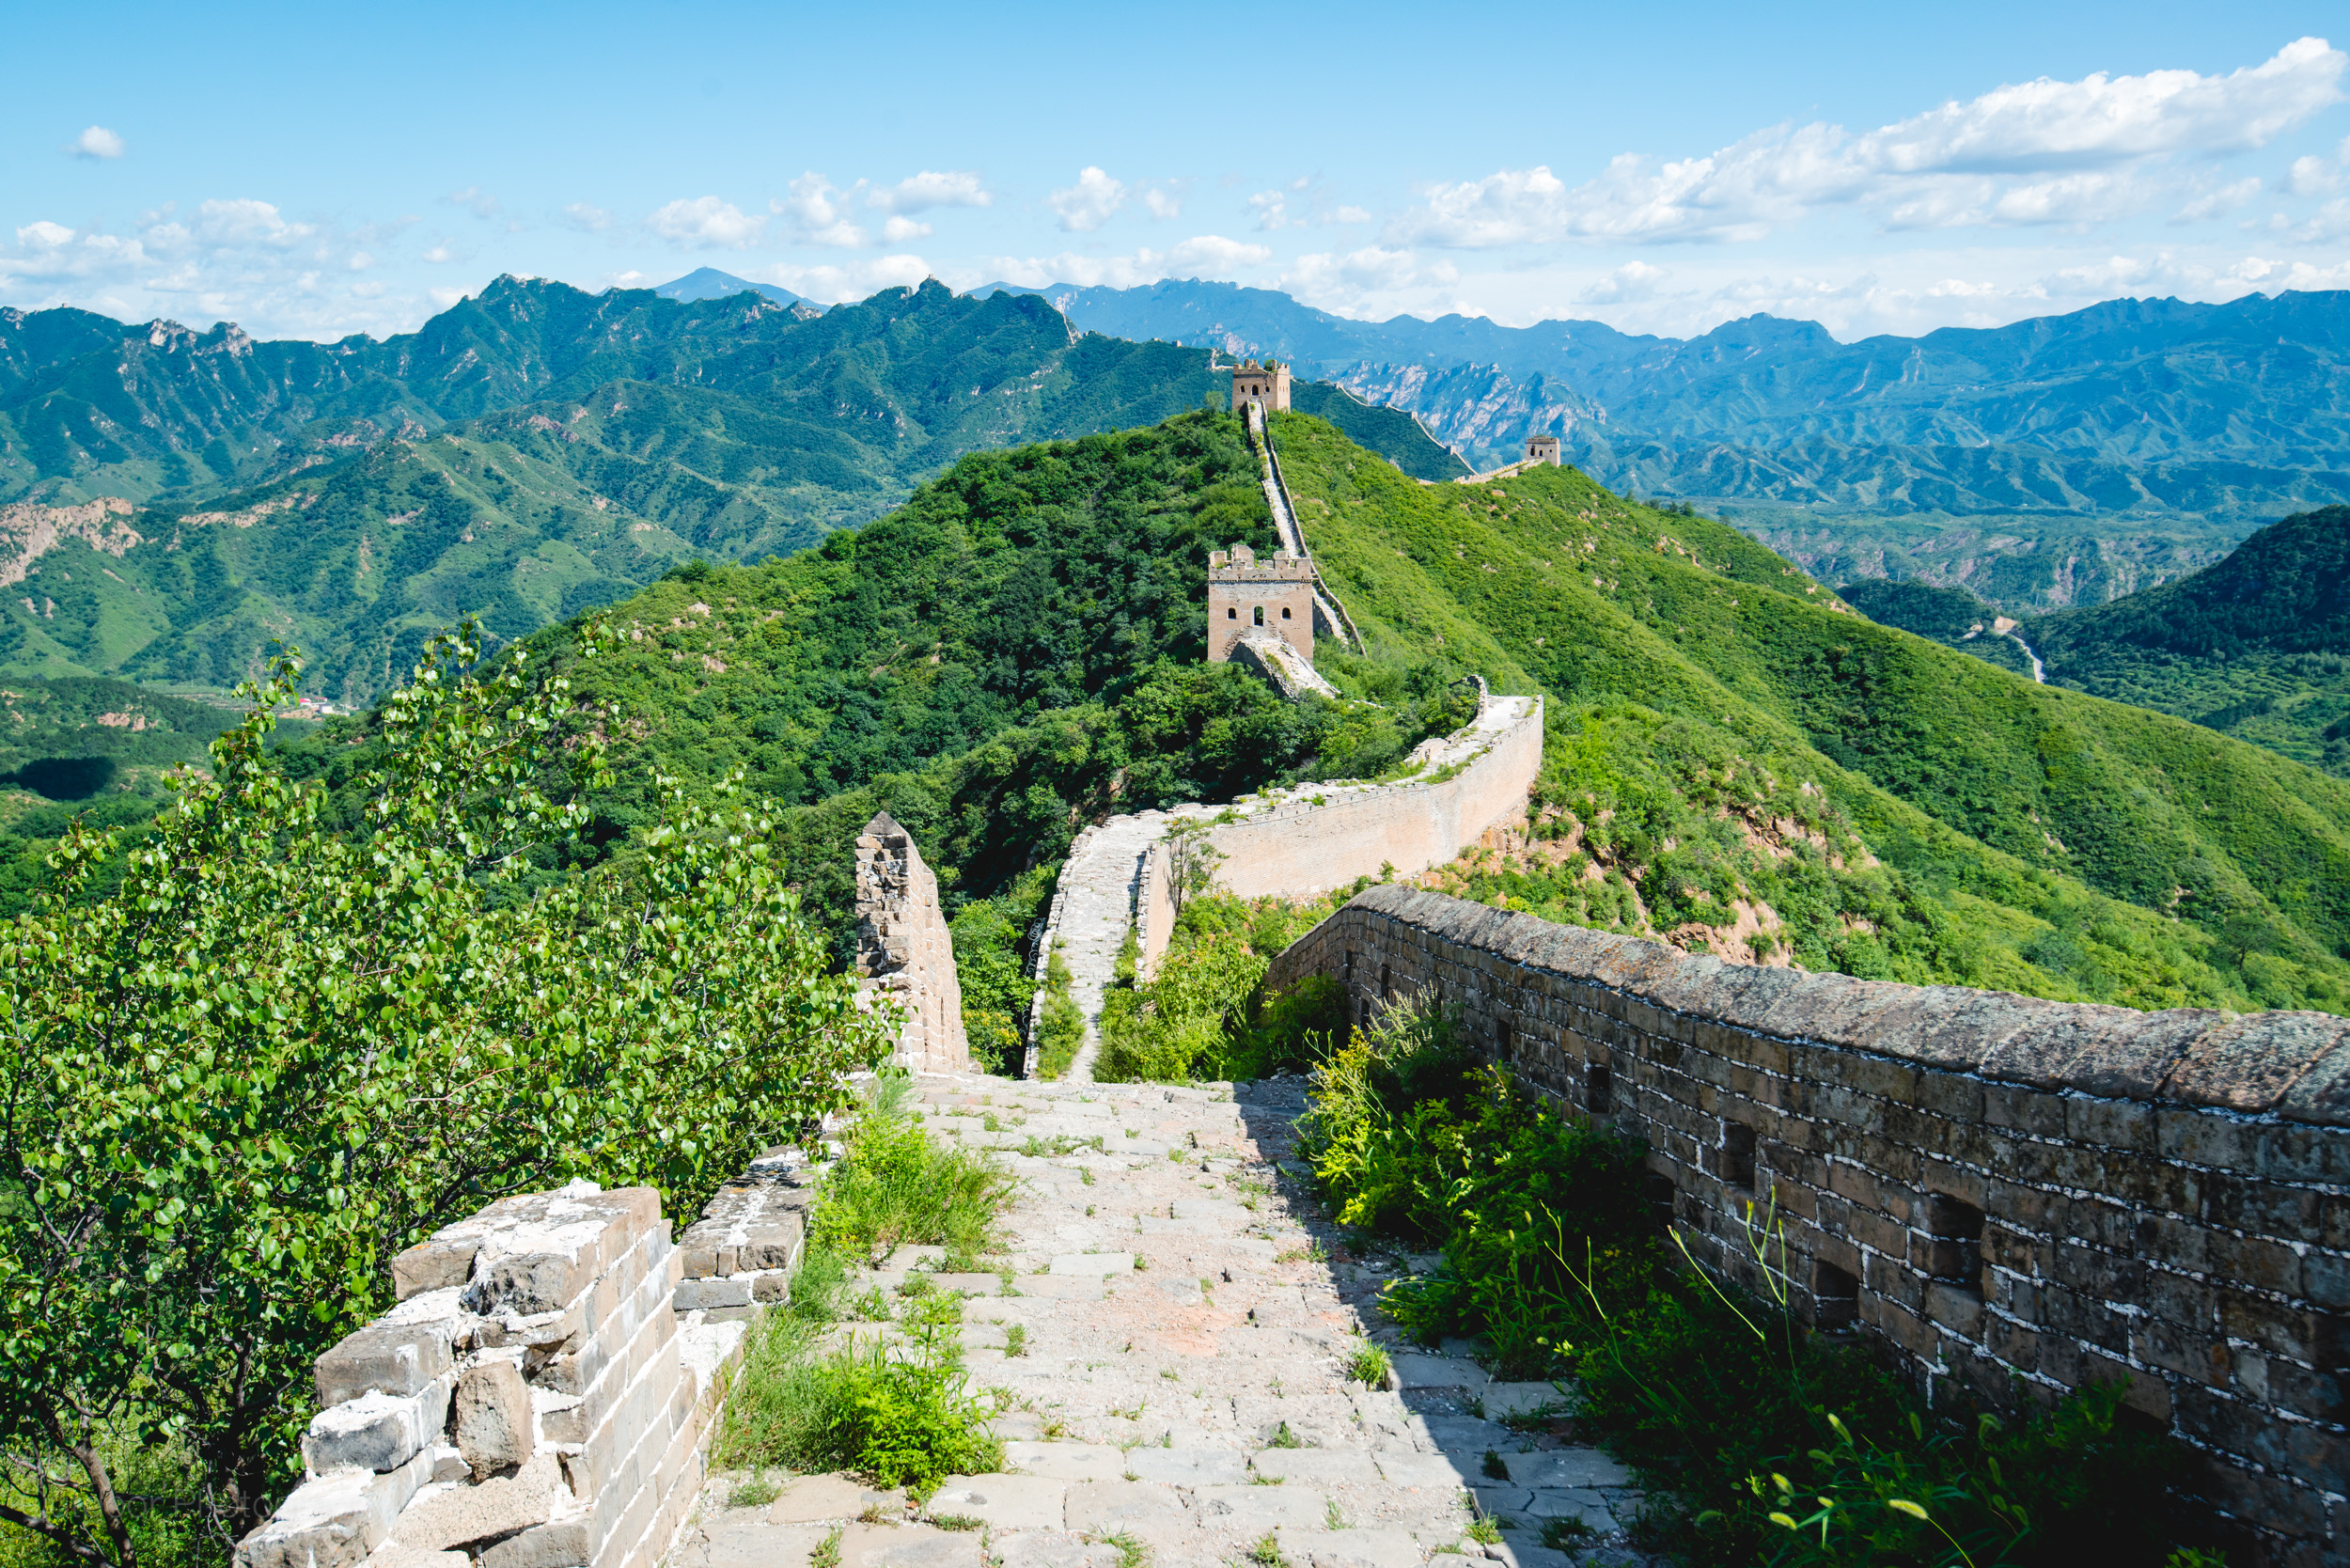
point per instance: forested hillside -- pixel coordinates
(1018, 650)
(2257, 646)
(526, 455)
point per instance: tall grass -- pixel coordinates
(897, 1408)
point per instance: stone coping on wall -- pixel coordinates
(2295, 1066)
(2011, 1198)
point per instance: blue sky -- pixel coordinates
(317, 170)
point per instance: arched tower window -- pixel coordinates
(1231, 614)
(1285, 612)
(1260, 614)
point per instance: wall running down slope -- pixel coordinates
(1118, 876)
(2013, 1194)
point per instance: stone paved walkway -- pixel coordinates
(1182, 1389)
(1103, 871)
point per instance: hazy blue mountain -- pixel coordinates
(709, 283)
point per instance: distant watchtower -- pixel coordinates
(1542, 448)
(1245, 594)
(1268, 384)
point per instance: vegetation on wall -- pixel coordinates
(1758, 1441)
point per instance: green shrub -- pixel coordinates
(1061, 1029)
(896, 1186)
(899, 1415)
(292, 1045)
(1200, 1015)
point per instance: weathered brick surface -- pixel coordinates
(903, 947)
(2030, 1193)
(577, 1400)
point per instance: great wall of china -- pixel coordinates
(2010, 1196)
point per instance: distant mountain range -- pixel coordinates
(172, 501)
(2052, 461)
(709, 283)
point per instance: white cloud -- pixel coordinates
(439, 254)
(1346, 284)
(1087, 205)
(2043, 151)
(2227, 198)
(856, 280)
(97, 142)
(1163, 203)
(43, 235)
(815, 211)
(706, 223)
(586, 218)
(1215, 251)
(1201, 255)
(474, 200)
(1351, 214)
(2317, 176)
(1632, 281)
(360, 261)
(921, 192)
(245, 221)
(1272, 210)
(895, 231)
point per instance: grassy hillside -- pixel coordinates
(2256, 645)
(1389, 431)
(1725, 735)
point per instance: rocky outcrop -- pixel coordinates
(903, 947)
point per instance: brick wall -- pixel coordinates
(2011, 1196)
(904, 948)
(531, 1403)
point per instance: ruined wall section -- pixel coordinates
(531, 1403)
(903, 947)
(2013, 1194)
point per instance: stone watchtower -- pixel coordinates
(1267, 383)
(1542, 448)
(1245, 594)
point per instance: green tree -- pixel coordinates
(286, 1048)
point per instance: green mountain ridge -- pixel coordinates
(2257, 646)
(1736, 761)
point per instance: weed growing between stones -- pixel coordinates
(895, 1185)
(901, 1412)
(1370, 1366)
(1759, 1441)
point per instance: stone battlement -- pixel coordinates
(903, 947)
(2015, 1196)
